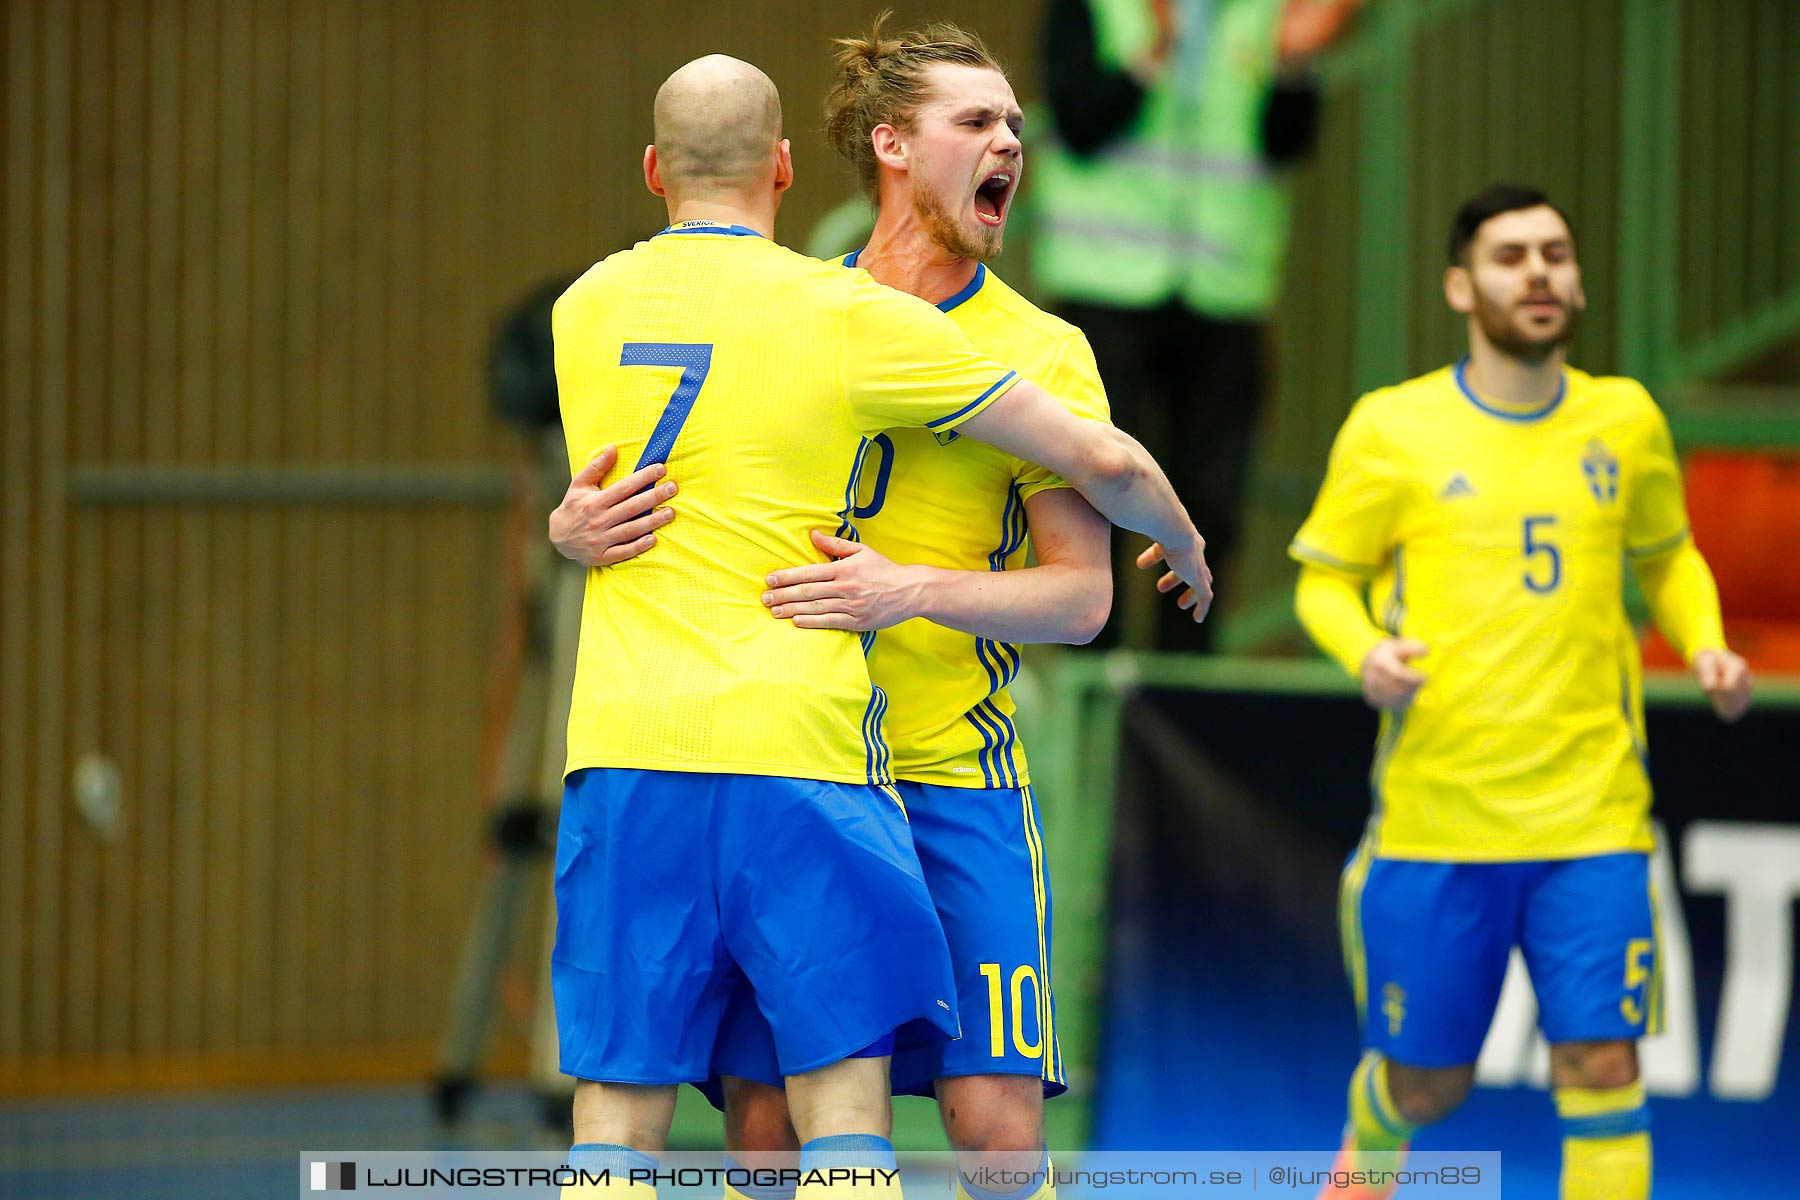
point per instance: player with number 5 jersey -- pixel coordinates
(1490, 508)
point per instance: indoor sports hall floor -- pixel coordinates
(234, 1146)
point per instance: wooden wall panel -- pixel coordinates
(86, 386)
(49, 525)
(17, 437)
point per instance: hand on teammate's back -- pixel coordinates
(1184, 565)
(602, 526)
(1389, 680)
(1725, 678)
(859, 589)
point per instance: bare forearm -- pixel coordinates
(1330, 606)
(1107, 466)
(1124, 483)
(1050, 603)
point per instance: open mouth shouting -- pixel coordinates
(992, 196)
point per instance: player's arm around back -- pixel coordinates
(602, 526)
(1104, 463)
(902, 352)
(1065, 598)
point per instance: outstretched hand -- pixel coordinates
(601, 526)
(859, 589)
(1189, 567)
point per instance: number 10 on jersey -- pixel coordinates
(1021, 1004)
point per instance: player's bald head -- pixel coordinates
(718, 121)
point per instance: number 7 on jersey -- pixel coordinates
(695, 360)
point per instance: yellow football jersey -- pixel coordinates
(947, 501)
(1498, 537)
(756, 373)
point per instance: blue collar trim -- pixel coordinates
(710, 227)
(974, 286)
(1536, 414)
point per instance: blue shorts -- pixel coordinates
(676, 891)
(1427, 944)
(982, 852)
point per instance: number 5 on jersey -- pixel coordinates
(695, 360)
(1544, 561)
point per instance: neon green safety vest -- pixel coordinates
(1182, 204)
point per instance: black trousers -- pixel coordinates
(1190, 388)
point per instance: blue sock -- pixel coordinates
(1029, 1188)
(848, 1150)
(753, 1190)
(602, 1156)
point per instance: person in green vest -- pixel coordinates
(1161, 220)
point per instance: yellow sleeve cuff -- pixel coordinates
(1303, 553)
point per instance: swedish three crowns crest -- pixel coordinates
(1601, 466)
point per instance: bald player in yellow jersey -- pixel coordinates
(728, 826)
(1489, 507)
(943, 525)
